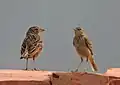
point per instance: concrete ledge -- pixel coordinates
(23, 83)
(19, 77)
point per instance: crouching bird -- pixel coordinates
(84, 47)
(32, 44)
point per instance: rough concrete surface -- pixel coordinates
(21, 77)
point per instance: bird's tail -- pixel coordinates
(22, 57)
(94, 66)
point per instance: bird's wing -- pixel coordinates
(88, 44)
(33, 42)
(24, 51)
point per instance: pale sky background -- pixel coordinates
(100, 19)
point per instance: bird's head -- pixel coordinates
(35, 30)
(79, 31)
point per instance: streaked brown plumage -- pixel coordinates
(32, 44)
(83, 47)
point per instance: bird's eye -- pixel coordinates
(79, 29)
(36, 29)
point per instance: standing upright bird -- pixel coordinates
(32, 45)
(83, 47)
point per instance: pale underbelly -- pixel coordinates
(83, 51)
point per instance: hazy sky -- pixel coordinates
(100, 19)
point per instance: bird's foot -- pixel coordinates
(26, 69)
(35, 69)
(85, 69)
(76, 70)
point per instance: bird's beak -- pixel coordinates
(43, 29)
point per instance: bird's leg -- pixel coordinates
(34, 64)
(26, 64)
(87, 59)
(85, 69)
(79, 65)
